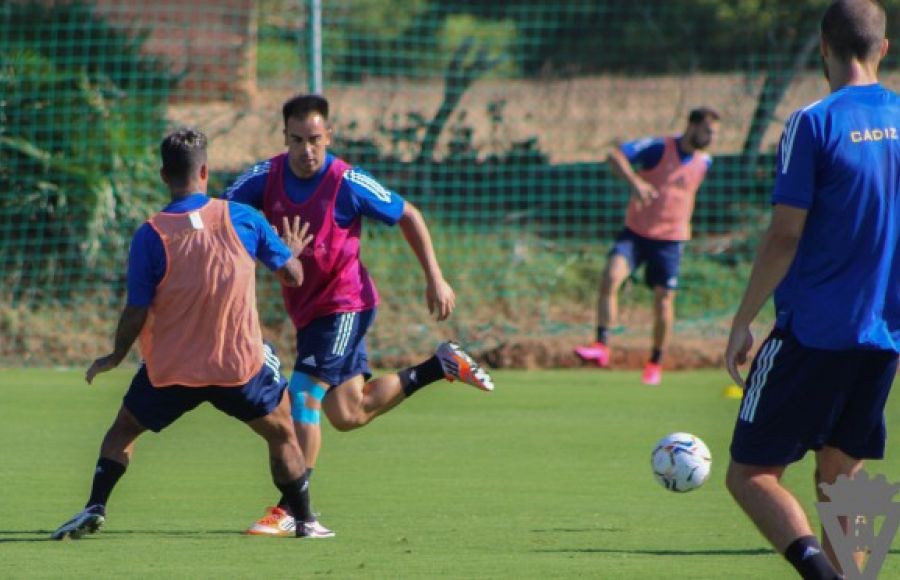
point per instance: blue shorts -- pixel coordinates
(333, 348)
(663, 257)
(800, 399)
(158, 407)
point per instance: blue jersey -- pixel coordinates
(360, 194)
(147, 257)
(839, 158)
(645, 154)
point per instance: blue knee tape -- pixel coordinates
(302, 386)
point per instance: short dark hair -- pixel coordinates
(701, 114)
(183, 152)
(300, 106)
(854, 28)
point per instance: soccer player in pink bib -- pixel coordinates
(664, 174)
(336, 304)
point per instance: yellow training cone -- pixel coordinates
(733, 392)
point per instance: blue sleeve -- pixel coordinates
(644, 153)
(795, 176)
(258, 236)
(360, 194)
(250, 187)
(146, 266)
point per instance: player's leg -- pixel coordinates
(355, 402)
(621, 261)
(789, 403)
(324, 347)
(779, 517)
(663, 265)
(143, 407)
(617, 269)
(264, 405)
(663, 321)
(306, 394)
(831, 463)
(858, 433)
(289, 468)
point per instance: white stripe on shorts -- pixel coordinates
(343, 334)
(272, 361)
(763, 367)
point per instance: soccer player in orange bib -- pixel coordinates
(664, 174)
(192, 301)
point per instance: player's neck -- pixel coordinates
(189, 190)
(852, 74)
(684, 145)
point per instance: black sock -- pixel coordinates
(806, 555)
(106, 475)
(414, 378)
(656, 355)
(282, 502)
(297, 497)
(602, 334)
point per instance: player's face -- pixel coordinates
(703, 134)
(307, 140)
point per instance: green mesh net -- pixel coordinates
(494, 118)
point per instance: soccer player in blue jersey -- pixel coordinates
(334, 308)
(831, 255)
(185, 263)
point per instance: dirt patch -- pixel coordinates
(531, 353)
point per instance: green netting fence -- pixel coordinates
(492, 117)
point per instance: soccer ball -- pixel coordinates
(680, 462)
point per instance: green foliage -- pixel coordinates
(495, 38)
(277, 58)
(74, 143)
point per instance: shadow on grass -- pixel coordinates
(44, 535)
(577, 530)
(720, 552)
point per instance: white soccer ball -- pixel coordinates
(680, 462)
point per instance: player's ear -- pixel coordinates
(884, 47)
(204, 172)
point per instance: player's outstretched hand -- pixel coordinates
(740, 341)
(293, 234)
(441, 299)
(643, 192)
(101, 365)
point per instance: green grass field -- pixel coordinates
(548, 477)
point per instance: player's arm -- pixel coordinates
(438, 293)
(362, 195)
(792, 197)
(622, 168)
(773, 259)
(249, 187)
(146, 266)
(130, 324)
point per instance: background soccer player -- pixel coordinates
(820, 380)
(185, 262)
(664, 174)
(336, 305)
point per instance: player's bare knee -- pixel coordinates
(348, 422)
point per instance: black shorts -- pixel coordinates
(663, 258)
(799, 399)
(158, 407)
